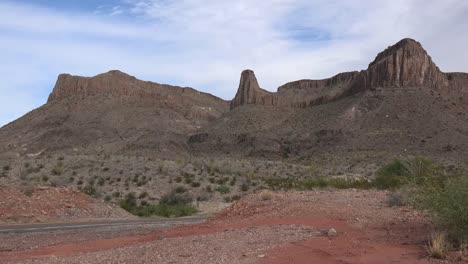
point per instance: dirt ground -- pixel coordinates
(264, 228)
(49, 204)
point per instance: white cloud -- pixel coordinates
(207, 43)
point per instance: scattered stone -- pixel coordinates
(332, 232)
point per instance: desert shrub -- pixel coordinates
(395, 199)
(101, 181)
(211, 179)
(141, 183)
(105, 169)
(222, 180)
(195, 184)
(89, 190)
(227, 199)
(390, 176)
(129, 203)
(438, 246)
(266, 195)
(79, 182)
(418, 171)
(58, 169)
(174, 198)
(143, 195)
(203, 197)
(71, 179)
(448, 204)
(209, 189)
(107, 198)
(6, 167)
(180, 189)
(235, 197)
(165, 210)
(316, 182)
(245, 187)
(172, 204)
(45, 178)
(116, 194)
(178, 179)
(233, 181)
(223, 189)
(28, 191)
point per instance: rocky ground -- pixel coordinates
(264, 227)
(50, 204)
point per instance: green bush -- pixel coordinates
(448, 204)
(223, 189)
(174, 198)
(390, 176)
(89, 190)
(172, 204)
(165, 210)
(418, 171)
(180, 189)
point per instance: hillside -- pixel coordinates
(402, 104)
(113, 134)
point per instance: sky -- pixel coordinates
(205, 44)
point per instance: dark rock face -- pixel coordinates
(249, 92)
(405, 64)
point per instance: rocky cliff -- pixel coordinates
(405, 64)
(249, 92)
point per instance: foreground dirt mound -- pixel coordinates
(52, 204)
(272, 228)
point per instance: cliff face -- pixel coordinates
(249, 92)
(405, 64)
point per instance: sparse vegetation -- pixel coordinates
(438, 246)
(428, 187)
(173, 204)
(223, 189)
(89, 190)
(58, 168)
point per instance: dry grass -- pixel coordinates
(438, 245)
(266, 195)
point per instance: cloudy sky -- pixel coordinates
(205, 44)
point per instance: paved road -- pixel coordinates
(99, 224)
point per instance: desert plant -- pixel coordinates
(89, 190)
(438, 246)
(223, 189)
(266, 195)
(174, 197)
(101, 181)
(449, 205)
(6, 167)
(180, 189)
(58, 169)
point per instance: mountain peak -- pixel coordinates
(405, 64)
(249, 92)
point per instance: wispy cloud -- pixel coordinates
(206, 43)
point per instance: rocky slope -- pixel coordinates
(112, 113)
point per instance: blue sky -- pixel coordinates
(205, 44)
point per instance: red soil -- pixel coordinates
(368, 230)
